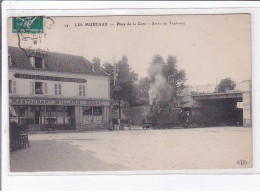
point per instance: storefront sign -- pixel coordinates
(49, 78)
(23, 101)
(30, 101)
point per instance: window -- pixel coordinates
(22, 110)
(38, 88)
(57, 89)
(239, 104)
(87, 110)
(52, 111)
(10, 59)
(97, 111)
(82, 90)
(12, 87)
(38, 62)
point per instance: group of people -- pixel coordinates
(18, 136)
(114, 123)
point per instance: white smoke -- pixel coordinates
(159, 86)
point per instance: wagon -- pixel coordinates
(147, 125)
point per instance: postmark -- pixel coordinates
(31, 33)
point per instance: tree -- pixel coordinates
(124, 88)
(175, 78)
(226, 84)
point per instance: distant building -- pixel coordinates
(206, 106)
(58, 90)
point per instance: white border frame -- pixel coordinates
(177, 179)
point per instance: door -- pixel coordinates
(92, 115)
(97, 114)
(37, 117)
(87, 114)
(71, 115)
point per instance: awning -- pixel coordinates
(12, 111)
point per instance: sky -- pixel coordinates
(207, 47)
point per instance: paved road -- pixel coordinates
(220, 147)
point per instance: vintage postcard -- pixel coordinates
(130, 93)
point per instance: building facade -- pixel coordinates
(57, 91)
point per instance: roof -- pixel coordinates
(58, 62)
(210, 96)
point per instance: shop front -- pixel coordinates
(53, 114)
(92, 114)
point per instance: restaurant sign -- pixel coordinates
(30, 101)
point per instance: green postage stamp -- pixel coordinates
(28, 24)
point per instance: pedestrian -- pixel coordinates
(187, 118)
(14, 135)
(111, 125)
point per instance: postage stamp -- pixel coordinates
(28, 24)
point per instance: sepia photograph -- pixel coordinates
(130, 93)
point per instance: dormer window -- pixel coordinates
(38, 62)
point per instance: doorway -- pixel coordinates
(37, 117)
(71, 115)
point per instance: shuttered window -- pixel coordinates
(57, 89)
(82, 90)
(32, 87)
(12, 87)
(45, 88)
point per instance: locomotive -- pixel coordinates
(163, 114)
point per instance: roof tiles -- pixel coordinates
(55, 62)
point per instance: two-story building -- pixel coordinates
(59, 91)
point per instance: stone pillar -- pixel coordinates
(78, 117)
(106, 114)
(247, 109)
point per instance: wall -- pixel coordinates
(97, 87)
(246, 87)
